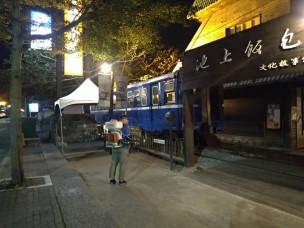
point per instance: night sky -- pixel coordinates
(178, 36)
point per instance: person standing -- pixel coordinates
(120, 155)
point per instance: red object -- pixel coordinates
(112, 137)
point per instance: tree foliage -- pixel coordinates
(130, 30)
(150, 66)
(39, 74)
(39, 71)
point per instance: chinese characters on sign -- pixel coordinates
(286, 40)
(226, 59)
(286, 43)
(255, 48)
(201, 64)
(282, 63)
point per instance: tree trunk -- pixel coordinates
(15, 97)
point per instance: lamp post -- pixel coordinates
(106, 69)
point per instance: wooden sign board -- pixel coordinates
(273, 48)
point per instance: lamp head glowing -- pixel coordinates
(2, 103)
(106, 68)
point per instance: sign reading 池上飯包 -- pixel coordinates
(273, 48)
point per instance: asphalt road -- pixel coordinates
(4, 138)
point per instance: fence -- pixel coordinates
(158, 146)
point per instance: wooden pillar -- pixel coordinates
(297, 116)
(87, 72)
(188, 128)
(220, 105)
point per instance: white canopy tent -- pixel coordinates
(86, 93)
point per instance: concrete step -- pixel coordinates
(32, 141)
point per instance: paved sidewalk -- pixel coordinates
(29, 207)
(66, 203)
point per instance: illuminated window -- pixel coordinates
(130, 98)
(155, 95)
(243, 26)
(144, 97)
(169, 92)
(136, 98)
(231, 30)
(256, 21)
(247, 25)
(170, 98)
(238, 28)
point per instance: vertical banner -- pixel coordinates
(41, 24)
(104, 85)
(121, 91)
(73, 62)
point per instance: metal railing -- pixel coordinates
(158, 145)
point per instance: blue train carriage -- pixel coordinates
(150, 100)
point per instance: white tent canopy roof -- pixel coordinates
(86, 93)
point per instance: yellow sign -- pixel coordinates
(73, 62)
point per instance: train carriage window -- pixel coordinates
(155, 98)
(130, 98)
(169, 86)
(144, 97)
(136, 98)
(169, 92)
(170, 97)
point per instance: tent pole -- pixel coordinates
(61, 131)
(56, 133)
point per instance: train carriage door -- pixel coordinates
(170, 100)
(154, 105)
(144, 110)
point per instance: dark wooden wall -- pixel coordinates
(245, 111)
(244, 116)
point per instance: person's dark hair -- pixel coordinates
(123, 116)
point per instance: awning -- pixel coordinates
(264, 80)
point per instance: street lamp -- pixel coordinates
(106, 69)
(3, 103)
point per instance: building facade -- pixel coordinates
(246, 61)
